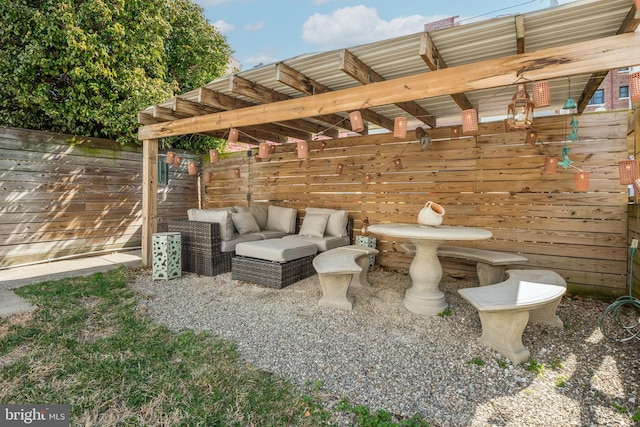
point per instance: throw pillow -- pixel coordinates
(245, 222)
(222, 217)
(282, 219)
(259, 213)
(314, 225)
(337, 224)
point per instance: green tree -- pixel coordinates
(87, 67)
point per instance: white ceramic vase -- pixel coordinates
(431, 215)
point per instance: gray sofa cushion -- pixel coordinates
(277, 250)
(266, 234)
(258, 211)
(220, 216)
(230, 245)
(337, 224)
(314, 225)
(281, 219)
(323, 243)
(245, 222)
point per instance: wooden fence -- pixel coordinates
(63, 195)
(491, 180)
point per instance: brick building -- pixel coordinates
(613, 92)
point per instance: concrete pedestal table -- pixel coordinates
(424, 296)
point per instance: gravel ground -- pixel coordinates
(384, 356)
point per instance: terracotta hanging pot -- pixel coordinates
(192, 167)
(171, 156)
(431, 214)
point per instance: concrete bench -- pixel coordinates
(337, 269)
(505, 308)
(490, 265)
(363, 262)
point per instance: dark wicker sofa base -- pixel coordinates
(273, 274)
(201, 247)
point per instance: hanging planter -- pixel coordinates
(214, 155)
(171, 156)
(192, 168)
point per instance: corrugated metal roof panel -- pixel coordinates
(572, 22)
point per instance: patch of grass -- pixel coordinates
(502, 363)
(571, 328)
(620, 409)
(476, 361)
(560, 381)
(636, 416)
(555, 364)
(89, 346)
(533, 366)
(380, 418)
(446, 312)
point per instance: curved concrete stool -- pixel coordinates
(506, 307)
(363, 262)
(337, 269)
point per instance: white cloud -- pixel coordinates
(223, 27)
(255, 26)
(265, 56)
(356, 25)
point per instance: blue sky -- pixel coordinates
(266, 31)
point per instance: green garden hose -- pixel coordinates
(621, 320)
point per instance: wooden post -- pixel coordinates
(636, 129)
(149, 197)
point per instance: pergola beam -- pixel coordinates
(520, 33)
(579, 58)
(431, 56)
(226, 102)
(361, 72)
(302, 83)
(266, 95)
(266, 131)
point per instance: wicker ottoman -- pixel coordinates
(273, 262)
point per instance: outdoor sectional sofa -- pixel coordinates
(209, 236)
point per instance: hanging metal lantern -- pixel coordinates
(581, 181)
(470, 120)
(541, 94)
(628, 171)
(551, 164)
(520, 110)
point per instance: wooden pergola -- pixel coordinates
(429, 77)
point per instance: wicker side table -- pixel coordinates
(167, 262)
(369, 242)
